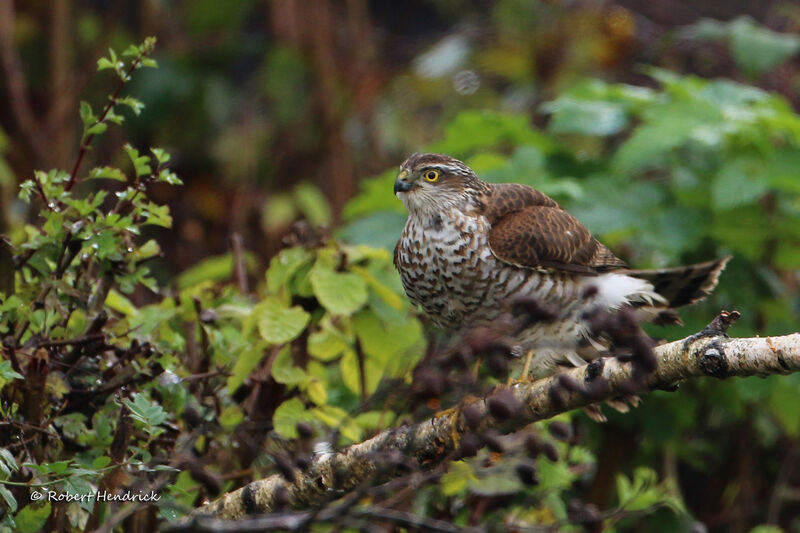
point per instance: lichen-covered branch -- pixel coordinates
(429, 443)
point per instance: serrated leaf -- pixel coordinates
(107, 172)
(278, 324)
(135, 105)
(96, 129)
(86, 113)
(131, 51)
(340, 293)
(104, 63)
(147, 412)
(161, 155)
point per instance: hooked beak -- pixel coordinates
(401, 184)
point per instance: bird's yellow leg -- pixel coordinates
(452, 413)
(526, 366)
(477, 368)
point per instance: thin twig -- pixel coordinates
(73, 176)
(239, 267)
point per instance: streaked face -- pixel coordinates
(431, 182)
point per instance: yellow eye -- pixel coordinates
(432, 176)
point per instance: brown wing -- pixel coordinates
(530, 229)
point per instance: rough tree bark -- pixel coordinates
(427, 444)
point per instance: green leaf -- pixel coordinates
(757, 49)
(101, 462)
(161, 155)
(141, 163)
(287, 416)
(380, 229)
(496, 484)
(212, 269)
(765, 528)
(104, 63)
(458, 476)
(231, 416)
(277, 323)
(158, 215)
(97, 129)
(87, 115)
(331, 415)
(554, 475)
(145, 411)
(289, 375)
(571, 115)
(351, 372)
(120, 303)
(73, 425)
(391, 298)
(312, 204)
(7, 373)
(316, 391)
(340, 293)
(132, 51)
(737, 183)
(32, 518)
(284, 265)
(135, 105)
(246, 361)
(326, 344)
(107, 172)
(8, 498)
(7, 459)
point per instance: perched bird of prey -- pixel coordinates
(470, 248)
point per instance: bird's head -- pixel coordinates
(428, 183)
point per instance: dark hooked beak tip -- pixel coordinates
(401, 185)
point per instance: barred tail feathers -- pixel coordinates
(686, 284)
